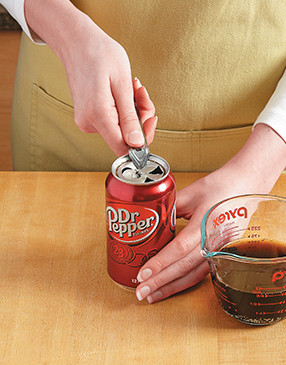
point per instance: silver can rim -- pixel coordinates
(160, 160)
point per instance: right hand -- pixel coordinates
(98, 72)
(99, 77)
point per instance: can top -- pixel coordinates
(154, 171)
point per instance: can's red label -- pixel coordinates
(132, 224)
(137, 232)
(140, 216)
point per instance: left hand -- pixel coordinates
(179, 265)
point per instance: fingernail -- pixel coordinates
(135, 138)
(144, 275)
(138, 81)
(157, 295)
(143, 292)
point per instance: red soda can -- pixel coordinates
(140, 215)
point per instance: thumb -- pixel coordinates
(128, 120)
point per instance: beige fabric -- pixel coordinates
(209, 66)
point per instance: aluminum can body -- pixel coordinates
(140, 220)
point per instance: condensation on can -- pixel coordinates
(140, 215)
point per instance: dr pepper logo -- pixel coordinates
(131, 224)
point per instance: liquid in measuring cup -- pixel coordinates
(259, 297)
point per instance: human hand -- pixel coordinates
(100, 81)
(252, 170)
(98, 73)
(180, 265)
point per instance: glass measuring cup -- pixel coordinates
(244, 240)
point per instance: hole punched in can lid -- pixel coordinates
(139, 156)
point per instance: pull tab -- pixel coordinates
(139, 156)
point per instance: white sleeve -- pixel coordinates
(16, 10)
(274, 113)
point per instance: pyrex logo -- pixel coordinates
(132, 225)
(278, 275)
(228, 215)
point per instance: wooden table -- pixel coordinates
(58, 305)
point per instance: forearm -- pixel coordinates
(263, 157)
(58, 23)
(261, 160)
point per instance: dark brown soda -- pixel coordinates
(257, 249)
(262, 305)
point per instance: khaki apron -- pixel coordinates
(209, 67)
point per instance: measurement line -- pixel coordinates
(222, 297)
(241, 229)
(276, 288)
(221, 294)
(270, 295)
(282, 302)
(221, 234)
(259, 304)
(219, 286)
(224, 232)
(228, 237)
(276, 312)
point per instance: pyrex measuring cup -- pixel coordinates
(244, 240)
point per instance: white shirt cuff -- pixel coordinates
(16, 10)
(274, 113)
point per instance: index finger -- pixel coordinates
(180, 247)
(104, 117)
(128, 120)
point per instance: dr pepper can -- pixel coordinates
(140, 215)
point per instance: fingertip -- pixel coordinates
(135, 138)
(155, 297)
(144, 275)
(136, 83)
(139, 296)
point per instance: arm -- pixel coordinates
(254, 169)
(98, 72)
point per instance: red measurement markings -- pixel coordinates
(233, 234)
(222, 296)
(226, 240)
(254, 235)
(259, 289)
(276, 312)
(258, 304)
(241, 229)
(226, 230)
(270, 295)
(219, 286)
(254, 228)
(221, 235)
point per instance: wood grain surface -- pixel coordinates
(58, 305)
